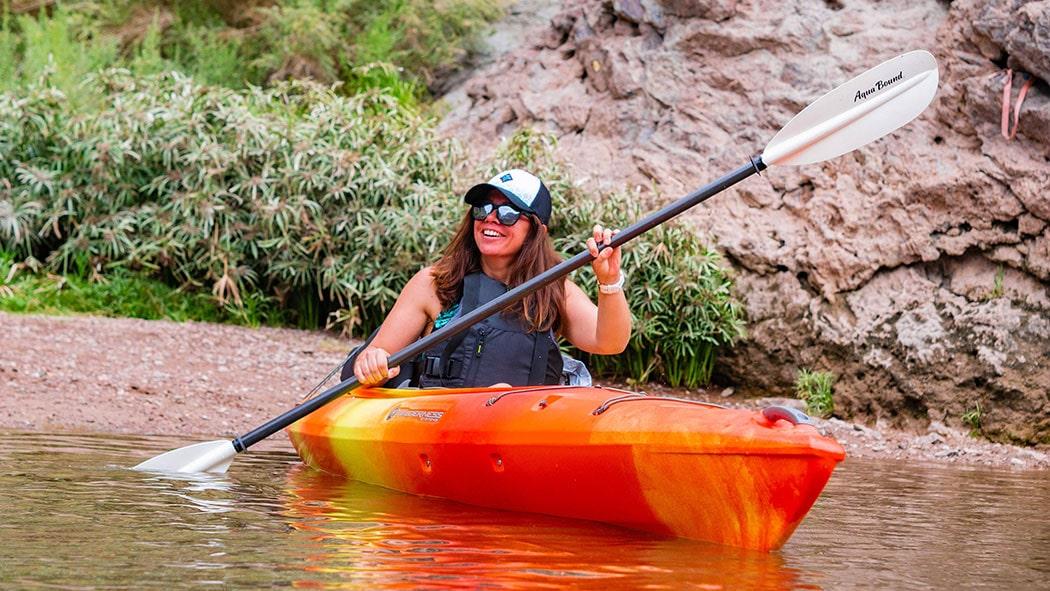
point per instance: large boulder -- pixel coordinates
(916, 268)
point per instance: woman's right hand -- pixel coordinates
(371, 369)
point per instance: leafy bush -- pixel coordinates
(678, 289)
(57, 45)
(815, 388)
(315, 203)
(404, 46)
(321, 201)
(300, 30)
(426, 38)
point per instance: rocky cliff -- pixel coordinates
(916, 269)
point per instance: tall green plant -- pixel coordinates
(211, 59)
(57, 45)
(300, 37)
(147, 58)
(679, 290)
(8, 49)
(425, 38)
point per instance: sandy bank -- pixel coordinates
(106, 375)
(120, 375)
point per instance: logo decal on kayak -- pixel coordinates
(427, 416)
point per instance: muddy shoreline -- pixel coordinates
(147, 377)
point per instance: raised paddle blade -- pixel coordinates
(858, 112)
(210, 456)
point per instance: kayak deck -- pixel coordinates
(669, 466)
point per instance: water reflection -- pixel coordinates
(74, 516)
(380, 538)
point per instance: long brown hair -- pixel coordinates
(538, 311)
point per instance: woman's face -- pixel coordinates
(496, 240)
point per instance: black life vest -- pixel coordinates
(497, 349)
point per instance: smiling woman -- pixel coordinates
(501, 243)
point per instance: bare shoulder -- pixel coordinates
(424, 278)
(422, 290)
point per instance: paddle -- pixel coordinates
(860, 111)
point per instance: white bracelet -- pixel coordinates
(612, 287)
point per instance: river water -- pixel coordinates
(74, 517)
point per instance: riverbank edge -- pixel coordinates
(155, 377)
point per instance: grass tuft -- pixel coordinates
(816, 389)
(972, 419)
(122, 295)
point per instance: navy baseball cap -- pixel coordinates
(524, 190)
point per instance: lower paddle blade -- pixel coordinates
(210, 456)
(860, 111)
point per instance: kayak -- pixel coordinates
(670, 466)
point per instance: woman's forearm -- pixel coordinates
(613, 329)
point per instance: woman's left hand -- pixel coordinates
(606, 264)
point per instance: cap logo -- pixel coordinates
(505, 178)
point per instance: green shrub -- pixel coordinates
(300, 31)
(320, 204)
(403, 46)
(8, 51)
(57, 45)
(321, 201)
(426, 38)
(679, 290)
(211, 59)
(816, 389)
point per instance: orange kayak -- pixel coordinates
(674, 467)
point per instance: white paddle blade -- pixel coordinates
(858, 112)
(210, 456)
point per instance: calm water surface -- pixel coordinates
(74, 517)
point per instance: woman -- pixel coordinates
(503, 241)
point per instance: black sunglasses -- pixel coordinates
(505, 214)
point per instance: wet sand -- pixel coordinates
(121, 375)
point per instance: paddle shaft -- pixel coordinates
(506, 300)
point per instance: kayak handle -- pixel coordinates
(605, 405)
(791, 415)
(629, 397)
(500, 396)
